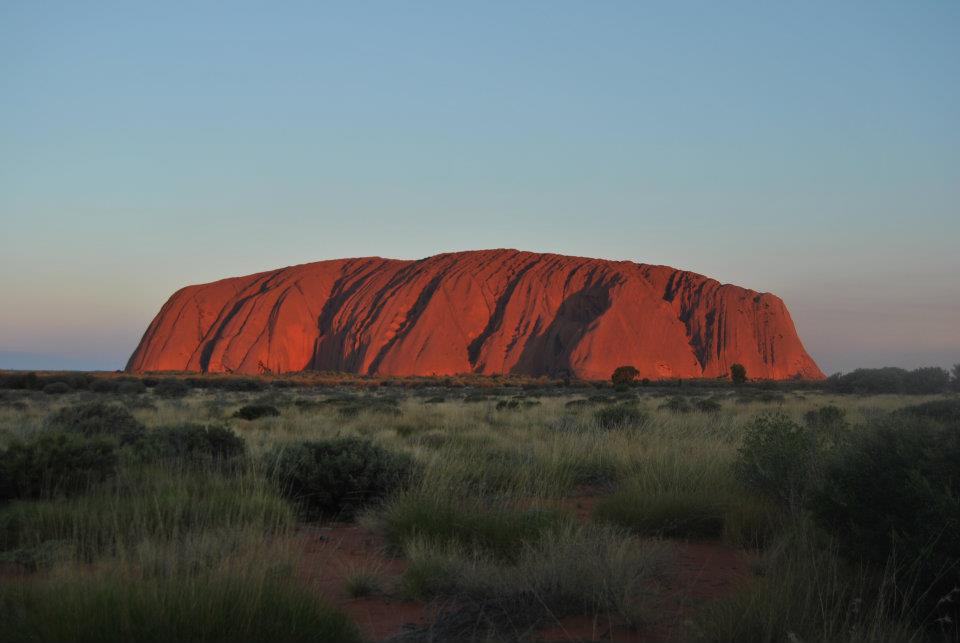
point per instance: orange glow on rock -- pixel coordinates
(488, 312)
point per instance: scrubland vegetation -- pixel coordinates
(187, 508)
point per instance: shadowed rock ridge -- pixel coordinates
(486, 311)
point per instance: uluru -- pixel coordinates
(486, 312)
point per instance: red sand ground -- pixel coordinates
(700, 571)
(487, 312)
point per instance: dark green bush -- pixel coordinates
(338, 476)
(890, 379)
(708, 406)
(676, 405)
(940, 410)
(130, 387)
(99, 418)
(508, 405)
(102, 385)
(193, 442)
(778, 458)
(55, 463)
(826, 418)
(895, 492)
(624, 375)
(620, 416)
(57, 388)
(171, 388)
(738, 373)
(256, 411)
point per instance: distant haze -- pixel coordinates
(810, 150)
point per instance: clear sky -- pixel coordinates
(810, 149)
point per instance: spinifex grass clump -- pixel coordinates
(239, 603)
(492, 526)
(336, 477)
(805, 592)
(676, 404)
(597, 570)
(156, 504)
(621, 416)
(689, 494)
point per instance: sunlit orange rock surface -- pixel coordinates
(488, 311)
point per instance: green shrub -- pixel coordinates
(890, 380)
(826, 418)
(499, 531)
(338, 476)
(708, 406)
(236, 605)
(151, 505)
(57, 388)
(676, 405)
(624, 375)
(256, 411)
(947, 410)
(777, 459)
(171, 388)
(504, 405)
(804, 592)
(668, 513)
(99, 418)
(620, 417)
(53, 464)
(130, 387)
(895, 492)
(571, 569)
(193, 442)
(738, 374)
(103, 385)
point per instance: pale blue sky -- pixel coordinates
(808, 149)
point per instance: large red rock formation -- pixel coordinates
(492, 311)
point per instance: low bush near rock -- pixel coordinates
(171, 388)
(193, 443)
(676, 405)
(338, 476)
(939, 410)
(778, 459)
(99, 419)
(55, 464)
(894, 494)
(256, 411)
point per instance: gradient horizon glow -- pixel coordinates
(807, 149)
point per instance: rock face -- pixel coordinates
(491, 311)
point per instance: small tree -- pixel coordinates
(738, 373)
(955, 381)
(624, 375)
